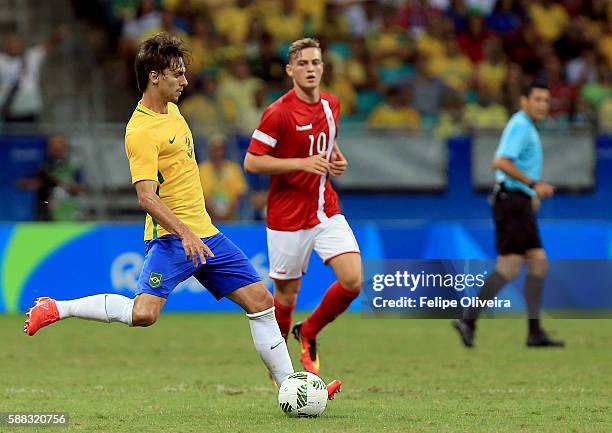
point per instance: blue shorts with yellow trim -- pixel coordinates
(165, 266)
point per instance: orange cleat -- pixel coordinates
(332, 388)
(43, 313)
(310, 359)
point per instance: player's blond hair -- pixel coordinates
(299, 45)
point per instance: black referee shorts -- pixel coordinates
(516, 228)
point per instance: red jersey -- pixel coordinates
(292, 128)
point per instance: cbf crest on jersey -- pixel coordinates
(189, 147)
(155, 279)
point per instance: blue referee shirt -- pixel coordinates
(520, 142)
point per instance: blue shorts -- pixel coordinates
(165, 266)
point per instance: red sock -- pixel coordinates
(283, 317)
(335, 300)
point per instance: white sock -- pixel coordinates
(270, 344)
(103, 308)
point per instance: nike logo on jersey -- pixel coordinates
(303, 128)
(276, 345)
(173, 138)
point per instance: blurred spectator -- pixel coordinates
(238, 88)
(595, 93)
(258, 185)
(458, 13)
(359, 69)
(521, 48)
(571, 43)
(57, 183)
(472, 41)
(431, 41)
(550, 18)
(147, 18)
(249, 119)
(362, 17)
(223, 182)
(604, 115)
(396, 111)
(598, 10)
(335, 25)
(493, 69)
(232, 20)
(506, 17)
(204, 109)
(451, 121)
(388, 43)
(562, 95)
(284, 22)
(605, 43)
(203, 46)
(415, 15)
(167, 24)
(102, 24)
(573, 7)
(512, 88)
(427, 91)
(487, 112)
(314, 13)
(20, 94)
(255, 36)
(340, 86)
(268, 64)
(454, 68)
(583, 69)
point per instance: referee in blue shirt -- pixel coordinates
(517, 195)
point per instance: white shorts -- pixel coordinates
(290, 251)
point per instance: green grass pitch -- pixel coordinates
(200, 373)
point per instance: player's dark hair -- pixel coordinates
(156, 54)
(299, 45)
(539, 84)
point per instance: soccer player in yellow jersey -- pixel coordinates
(180, 238)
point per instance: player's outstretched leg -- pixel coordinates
(102, 308)
(308, 348)
(285, 297)
(336, 300)
(269, 343)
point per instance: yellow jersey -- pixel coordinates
(159, 147)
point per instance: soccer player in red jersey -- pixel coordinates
(295, 143)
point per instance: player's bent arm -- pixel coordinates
(507, 166)
(542, 189)
(154, 206)
(268, 165)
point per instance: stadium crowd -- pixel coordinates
(448, 65)
(445, 67)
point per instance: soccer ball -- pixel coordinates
(303, 395)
